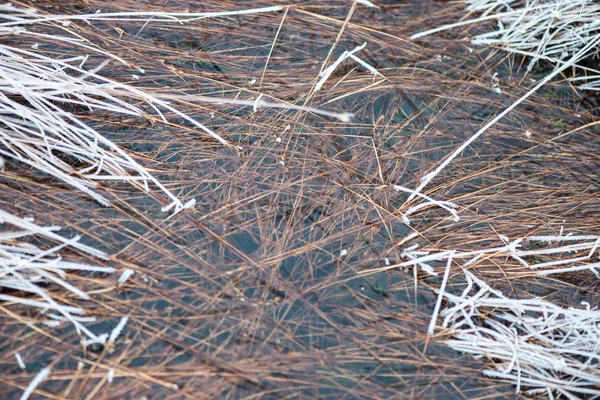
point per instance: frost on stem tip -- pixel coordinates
(101, 339)
(177, 205)
(41, 376)
(20, 361)
(128, 273)
(326, 73)
(365, 3)
(117, 330)
(346, 117)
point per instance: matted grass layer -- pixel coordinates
(266, 288)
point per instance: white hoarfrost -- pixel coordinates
(544, 349)
(550, 30)
(37, 92)
(23, 266)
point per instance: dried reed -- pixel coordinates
(259, 290)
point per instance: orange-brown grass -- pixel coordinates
(247, 295)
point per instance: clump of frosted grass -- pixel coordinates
(542, 348)
(37, 129)
(554, 31)
(23, 266)
(36, 92)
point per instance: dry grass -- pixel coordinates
(248, 295)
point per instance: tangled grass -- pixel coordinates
(277, 284)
